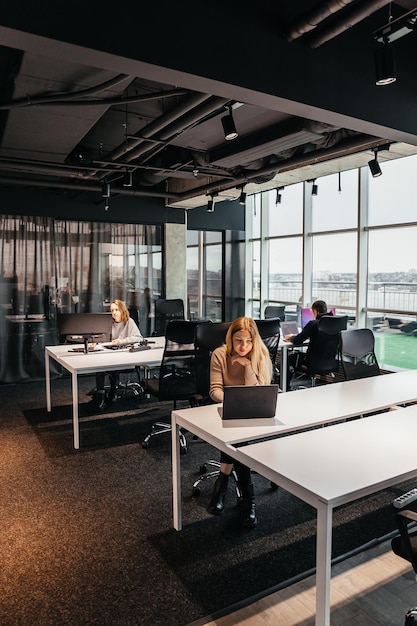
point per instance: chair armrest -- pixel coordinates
(408, 514)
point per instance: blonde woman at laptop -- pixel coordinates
(243, 360)
(124, 331)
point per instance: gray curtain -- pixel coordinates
(49, 266)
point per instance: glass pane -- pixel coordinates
(396, 350)
(334, 269)
(192, 237)
(285, 269)
(192, 282)
(334, 209)
(392, 278)
(392, 197)
(286, 217)
(213, 283)
(256, 270)
(212, 237)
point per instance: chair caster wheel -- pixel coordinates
(196, 492)
(144, 444)
(203, 469)
(274, 486)
(183, 450)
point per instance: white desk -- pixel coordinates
(106, 360)
(295, 411)
(332, 466)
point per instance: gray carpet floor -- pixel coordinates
(86, 535)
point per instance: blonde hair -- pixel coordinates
(122, 308)
(259, 355)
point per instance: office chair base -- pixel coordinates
(161, 428)
(204, 475)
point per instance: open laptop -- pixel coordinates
(289, 328)
(249, 402)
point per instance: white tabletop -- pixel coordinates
(305, 408)
(341, 462)
(104, 359)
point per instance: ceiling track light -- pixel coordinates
(210, 205)
(105, 190)
(242, 197)
(279, 195)
(374, 166)
(127, 178)
(385, 73)
(229, 127)
(314, 187)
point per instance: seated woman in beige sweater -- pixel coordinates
(243, 360)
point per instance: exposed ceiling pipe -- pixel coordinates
(178, 126)
(351, 146)
(318, 14)
(65, 97)
(354, 16)
(157, 125)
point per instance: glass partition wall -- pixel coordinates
(348, 241)
(48, 266)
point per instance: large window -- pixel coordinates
(204, 275)
(351, 245)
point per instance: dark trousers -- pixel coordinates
(114, 378)
(242, 471)
(297, 362)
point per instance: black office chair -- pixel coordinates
(275, 311)
(357, 353)
(209, 336)
(405, 544)
(166, 311)
(269, 330)
(323, 361)
(177, 374)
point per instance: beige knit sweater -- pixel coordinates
(224, 374)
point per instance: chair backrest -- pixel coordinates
(209, 336)
(275, 311)
(405, 544)
(165, 311)
(357, 353)
(323, 357)
(177, 374)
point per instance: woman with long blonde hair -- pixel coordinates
(124, 331)
(243, 360)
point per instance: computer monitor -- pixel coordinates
(90, 325)
(307, 315)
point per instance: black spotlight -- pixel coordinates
(374, 166)
(279, 195)
(229, 127)
(385, 65)
(242, 197)
(210, 205)
(105, 190)
(127, 178)
(314, 189)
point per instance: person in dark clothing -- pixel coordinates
(298, 361)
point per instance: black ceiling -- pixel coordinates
(89, 94)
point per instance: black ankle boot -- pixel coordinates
(99, 401)
(247, 506)
(216, 504)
